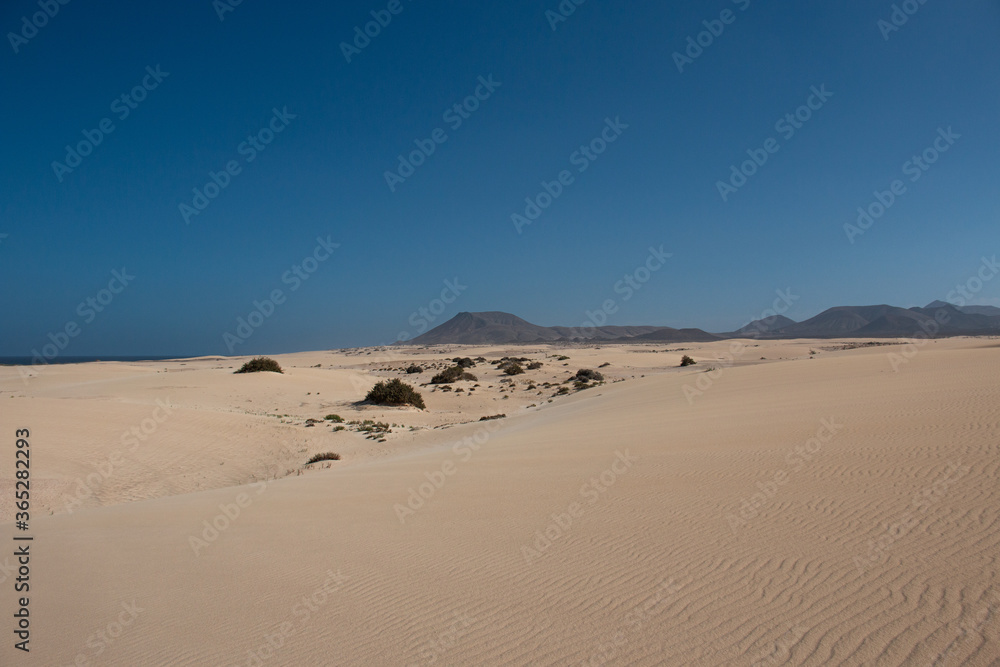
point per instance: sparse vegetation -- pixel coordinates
(534, 365)
(395, 392)
(606, 363)
(453, 374)
(464, 362)
(485, 419)
(260, 364)
(337, 419)
(687, 361)
(413, 368)
(512, 368)
(587, 375)
(325, 456)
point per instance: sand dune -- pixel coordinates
(785, 510)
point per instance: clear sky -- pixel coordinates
(309, 128)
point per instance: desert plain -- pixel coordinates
(806, 502)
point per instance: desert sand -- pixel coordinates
(799, 504)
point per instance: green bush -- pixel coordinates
(260, 364)
(395, 392)
(512, 368)
(453, 374)
(326, 456)
(335, 418)
(687, 361)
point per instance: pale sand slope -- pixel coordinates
(878, 546)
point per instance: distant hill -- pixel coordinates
(989, 311)
(494, 327)
(487, 327)
(890, 322)
(668, 335)
(758, 327)
(881, 321)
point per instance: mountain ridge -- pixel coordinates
(876, 321)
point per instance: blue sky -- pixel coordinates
(343, 124)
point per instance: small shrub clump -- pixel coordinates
(260, 364)
(687, 361)
(587, 375)
(395, 392)
(325, 456)
(337, 419)
(512, 368)
(464, 362)
(534, 365)
(413, 368)
(489, 417)
(453, 374)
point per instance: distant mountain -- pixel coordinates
(838, 321)
(494, 327)
(602, 333)
(890, 322)
(668, 335)
(488, 327)
(882, 321)
(989, 311)
(758, 327)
